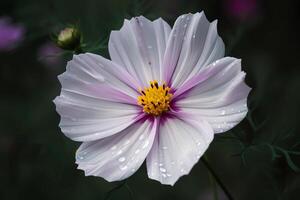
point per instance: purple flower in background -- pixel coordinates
(10, 34)
(241, 9)
(49, 54)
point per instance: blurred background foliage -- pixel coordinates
(258, 159)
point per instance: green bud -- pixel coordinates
(69, 39)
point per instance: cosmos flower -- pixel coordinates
(10, 34)
(161, 98)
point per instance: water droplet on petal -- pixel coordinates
(162, 169)
(119, 152)
(80, 157)
(141, 137)
(145, 144)
(123, 167)
(122, 159)
(137, 151)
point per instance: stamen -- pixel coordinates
(155, 99)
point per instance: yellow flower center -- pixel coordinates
(155, 99)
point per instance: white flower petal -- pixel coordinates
(94, 101)
(117, 157)
(179, 144)
(220, 98)
(193, 44)
(139, 47)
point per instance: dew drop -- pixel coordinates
(80, 157)
(149, 47)
(122, 159)
(119, 152)
(141, 137)
(169, 175)
(223, 112)
(162, 169)
(164, 175)
(123, 167)
(145, 144)
(137, 151)
(164, 147)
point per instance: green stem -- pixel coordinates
(217, 179)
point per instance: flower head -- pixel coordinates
(10, 34)
(161, 98)
(69, 38)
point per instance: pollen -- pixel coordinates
(155, 99)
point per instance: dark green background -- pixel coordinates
(37, 160)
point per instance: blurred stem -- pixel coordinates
(212, 182)
(217, 179)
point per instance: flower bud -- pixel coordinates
(69, 39)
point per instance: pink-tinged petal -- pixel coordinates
(180, 142)
(218, 94)
(193, 44)
(219, 69)
(95, 102)
(139, 47)
(117, 157)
